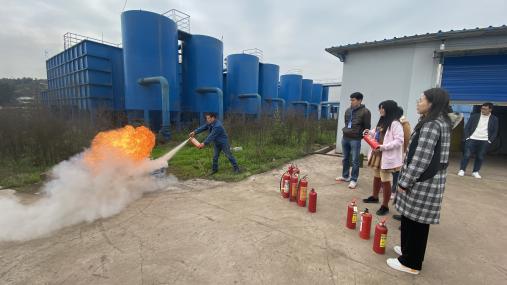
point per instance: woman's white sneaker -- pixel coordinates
(476, 175)
(342, 179)
(394, 263)
(397, 249)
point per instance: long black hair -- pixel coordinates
(390, 114)
(439, 99)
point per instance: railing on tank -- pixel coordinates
(254, 51)
(297, 71)
(71, 39)
(181, 19)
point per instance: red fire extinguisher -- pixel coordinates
(352, 215)
(380, 238)
(312, 201)
(371, 141)
(285, 185)
(302, 189)
(293, 191)
(365, 227)
(195, 142)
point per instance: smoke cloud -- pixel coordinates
(79, 193)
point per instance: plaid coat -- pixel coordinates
(421, 201)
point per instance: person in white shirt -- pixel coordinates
(480, 131)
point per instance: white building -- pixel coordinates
(470, 64)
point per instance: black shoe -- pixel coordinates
(213, 172)
(397, 217)
(370, 199)
(237, 170)
(382, 211)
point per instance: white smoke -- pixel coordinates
(76, 193)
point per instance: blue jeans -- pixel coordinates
(351, 146)
(479, 148)
(227, 151)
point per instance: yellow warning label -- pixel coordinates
(302, 194)
(294, 190)
(354, 218)
(383, 239)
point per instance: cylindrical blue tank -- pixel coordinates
(316, 93)
(291, 88)
(202, 67)
(242, 78)
(150, 48)
(268, 83)
(325, 98)
(307, 86)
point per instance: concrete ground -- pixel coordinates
(202, 232)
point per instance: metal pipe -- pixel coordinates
(279, 100)
(326, 103)
(302, 103)
(259, 101)
(220, 94)
(164, 89)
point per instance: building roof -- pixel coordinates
(342, 50)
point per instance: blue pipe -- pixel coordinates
(279, 100)
(220, 94)
(164, 89)
(302, 103)
(259, 101)
(326, 103)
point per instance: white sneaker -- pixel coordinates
(476, 175)
(461, 173)
(342, 179)
(397, 249)
(395, 264)
(352, 184)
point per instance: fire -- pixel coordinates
(134, 144)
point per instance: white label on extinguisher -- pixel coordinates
(286, 187)
(383, 239)
(361, 225)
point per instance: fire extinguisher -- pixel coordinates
(365, 228)
(285, 185)
(312, 201)
(371, 141)
(302, 189)
(293, 188)
(352, 215)
(195, 142)
(380, 238)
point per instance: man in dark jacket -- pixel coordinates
(357, 119)
(480, 131)
(218, 136)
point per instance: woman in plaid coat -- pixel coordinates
(422, 179)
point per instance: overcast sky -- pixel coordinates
(292, 33)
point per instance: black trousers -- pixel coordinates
(414, 236)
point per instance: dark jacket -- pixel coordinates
(361, 120)
(217, 133)
(474, 121)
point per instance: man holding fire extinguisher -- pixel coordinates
(218, 136)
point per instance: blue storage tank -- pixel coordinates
(86, 76)
(316, 93)
(242, 78)
(325, 98)
(202, 67)
(291, 88)
(268, 83)
(150, 48)
(307, 86)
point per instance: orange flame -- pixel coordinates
(134, 144)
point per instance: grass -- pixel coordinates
(266, 144)
(19, 174)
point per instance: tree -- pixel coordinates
(7, 95)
